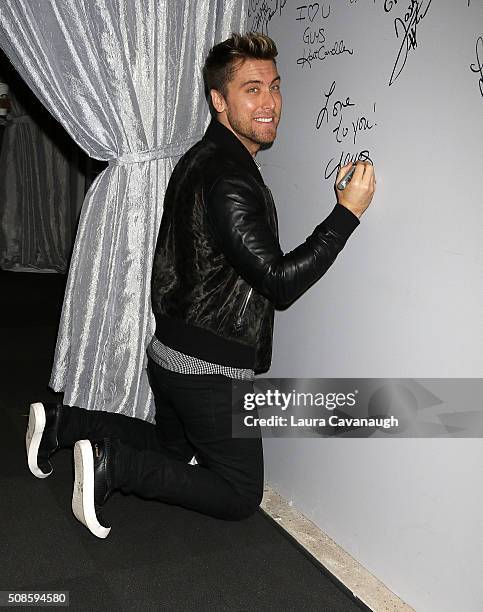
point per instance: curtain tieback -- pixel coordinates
(172, 149)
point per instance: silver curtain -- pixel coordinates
(124, 79)
(41, 191)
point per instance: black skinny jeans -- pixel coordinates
(193, 417)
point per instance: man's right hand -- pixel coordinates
(360, 190)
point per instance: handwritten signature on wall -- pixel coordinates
(314, 37)
(261, 13)
(406, 28)
(332, 114)
(478, 66)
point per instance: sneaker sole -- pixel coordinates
(83, 494)
(33, 437)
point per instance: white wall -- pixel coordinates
(408, 510)
(404, 298)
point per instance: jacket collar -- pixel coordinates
(224, 138)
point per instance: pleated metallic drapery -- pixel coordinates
(41, 191)
(124, 79)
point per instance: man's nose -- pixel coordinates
(268, 100)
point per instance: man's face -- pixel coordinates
(252, 105)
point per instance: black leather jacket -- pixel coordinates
(218, 268)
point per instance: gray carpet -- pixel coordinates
(157, 557)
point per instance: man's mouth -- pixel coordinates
(264, 119)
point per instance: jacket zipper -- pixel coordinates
(243, 308)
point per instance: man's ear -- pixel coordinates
(217, 100)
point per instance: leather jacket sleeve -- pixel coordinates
(238, 217)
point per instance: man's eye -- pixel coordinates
(275, 88)
(253, 90)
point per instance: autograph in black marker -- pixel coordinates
(261, 12)
(321, 53)
(336, 110)
(478, 67)
(337, 107)
(334, 165)
(408, 26)
(310, 11)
